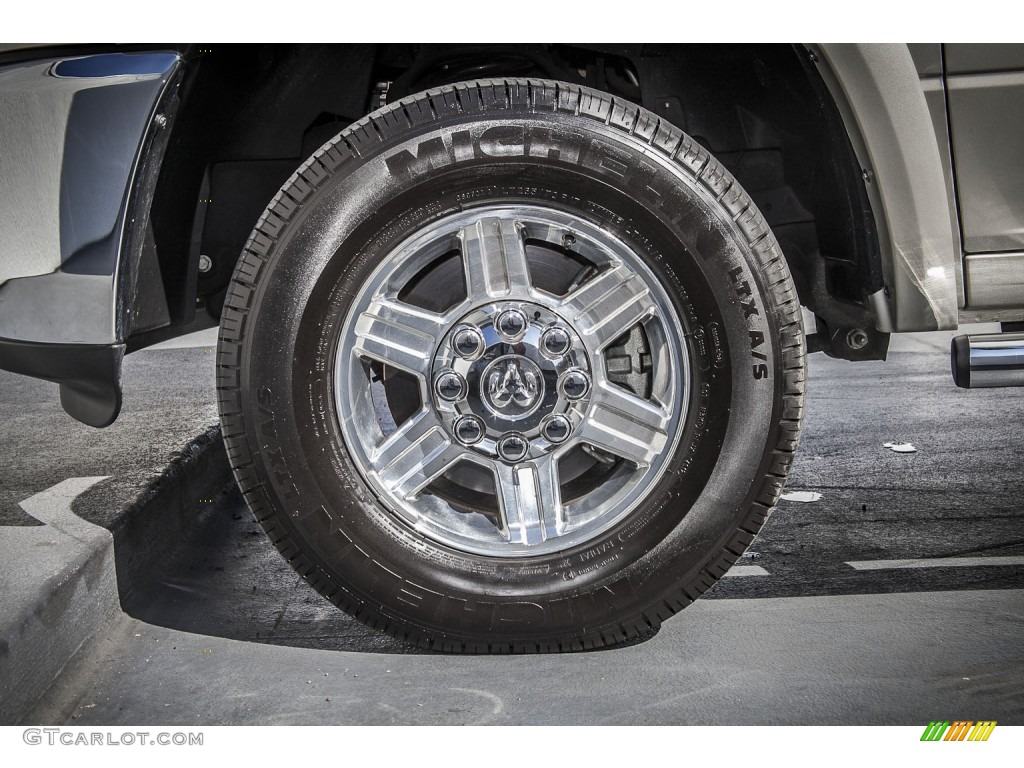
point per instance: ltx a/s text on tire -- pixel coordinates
(511, 366)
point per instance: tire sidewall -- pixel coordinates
(330, 245)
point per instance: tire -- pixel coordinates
(338, 326)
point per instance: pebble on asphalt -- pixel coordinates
(801, 496)
(900, 447)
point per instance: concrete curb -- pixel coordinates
(160, 516)
(67, 580)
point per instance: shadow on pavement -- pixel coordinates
(225, 579)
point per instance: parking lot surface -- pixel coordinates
(896, 597)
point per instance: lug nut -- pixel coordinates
(468, 343)
(574, 384)
(511, 325)
(555, 342)
(450, 386)
(513, 447)
(556, 428)
(469, 430)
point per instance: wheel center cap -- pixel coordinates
(513, 386)
(508, 375)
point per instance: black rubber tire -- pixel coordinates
(471, 144)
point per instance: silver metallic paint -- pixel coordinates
(966, 58)
(934, 88)
(994, 280)
(986, 112)
(71, 149)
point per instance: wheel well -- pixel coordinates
(250, 114)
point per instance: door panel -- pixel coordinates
(968, 58)
(986, 111)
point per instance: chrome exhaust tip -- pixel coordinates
(988, 360)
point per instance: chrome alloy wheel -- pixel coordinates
(530, 408)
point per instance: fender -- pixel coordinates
(878, 92)
(83, 138)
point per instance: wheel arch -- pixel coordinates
(877, 89)
(251, 114)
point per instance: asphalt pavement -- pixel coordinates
(168, 400)
(897, 597)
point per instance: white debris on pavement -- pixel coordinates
(801, 496)
(898, 447)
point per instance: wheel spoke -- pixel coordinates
(399, 334)
(625, 425)
(494, 256)
(530, 499)
(415, 455)
(607, 306)
(510, 379)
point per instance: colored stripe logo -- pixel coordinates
(960, 730)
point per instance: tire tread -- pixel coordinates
(490, 96)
